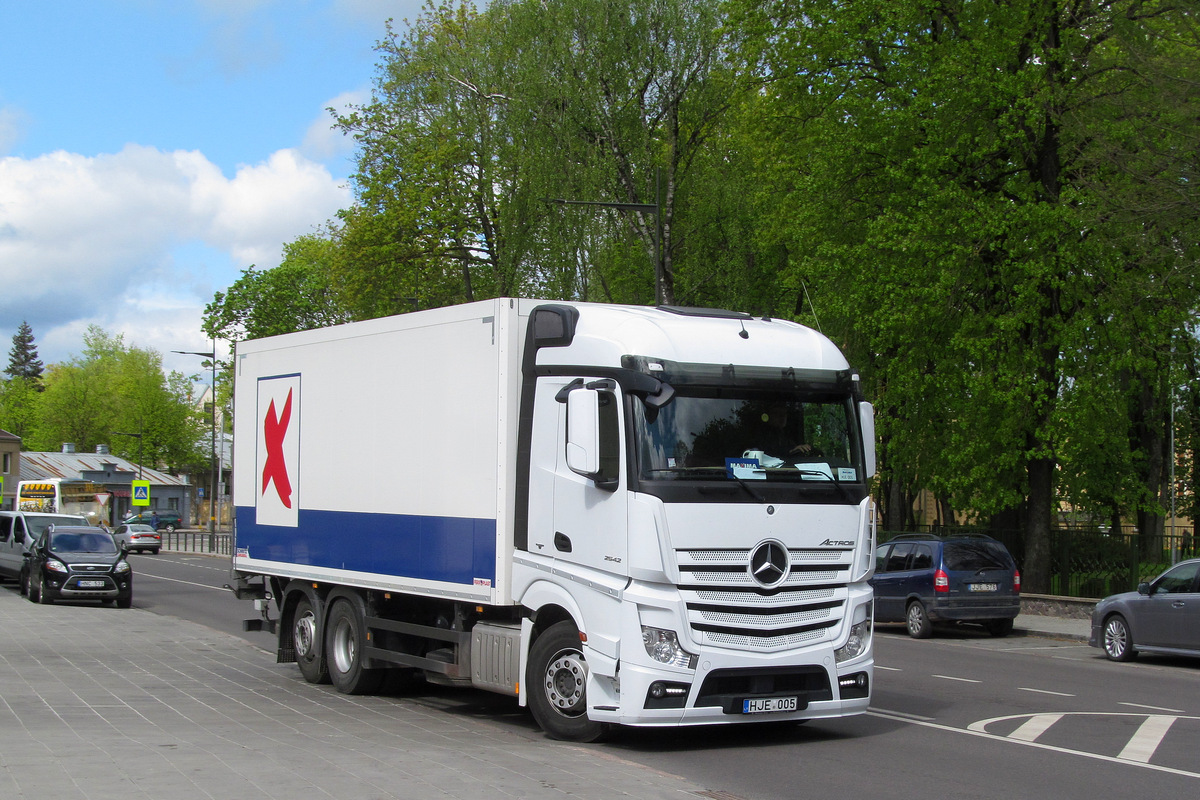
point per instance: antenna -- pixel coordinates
(744, 333)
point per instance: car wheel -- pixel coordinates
(1118, 643)
(557, 681)
(917, 621)
(125, 602)
(23, 582)
(44, 593)
(170, 527)
(31, 590)
(345, 640)
(154, 552)
(999, 627)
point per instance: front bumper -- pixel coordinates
(76, 586)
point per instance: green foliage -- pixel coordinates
(23, 361)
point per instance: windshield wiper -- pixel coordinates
(742, 482)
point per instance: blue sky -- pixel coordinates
(150, 150)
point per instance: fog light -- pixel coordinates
(664, 694)
(852, 686)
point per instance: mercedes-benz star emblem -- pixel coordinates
(769, 563)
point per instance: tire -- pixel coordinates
(31, 589)
(1117, 640)
(43, 595)
(557, 681)
(345, 639)
(170, 527)
(306, 636)
(999, 627)
(125, 602)
(23, 583)
(916, 619)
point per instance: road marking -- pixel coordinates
(1043, 691)
(886, 712)
(977, 729)
(888, 669)
(1149, 736)
(1152, 708)
(952, 678)
(1034, 727)
(177, 580)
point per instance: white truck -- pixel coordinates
(618, 515)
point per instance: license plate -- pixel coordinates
(90, 584)
(984, 587)
(769, 704)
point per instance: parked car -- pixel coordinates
(167, 520)
(18, 531)
(1162, 616)
(137, 537)
(922, 579)
(78, 563)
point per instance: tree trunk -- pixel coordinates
(1035, 575)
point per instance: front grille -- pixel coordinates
(727, 687)
(727, 607)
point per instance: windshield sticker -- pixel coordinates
(815, 472)
(847, 474)
(744, 469)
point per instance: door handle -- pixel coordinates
(562, 542)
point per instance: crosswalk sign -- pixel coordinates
(141, 493)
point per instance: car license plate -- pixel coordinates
(984, 587)
(769, 704)
(91, 584)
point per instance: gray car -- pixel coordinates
(1162, 616)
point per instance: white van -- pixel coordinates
(18, 531)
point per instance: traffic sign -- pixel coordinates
(141, 493)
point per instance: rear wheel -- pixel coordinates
(31, 588)
(306, 633)
(917, 621)
(43, 593)
(1118, 643)
(557, 681)
(345, 638)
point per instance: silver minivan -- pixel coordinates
(18, 531)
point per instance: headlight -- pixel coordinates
(56, 566)
(663, 647)
(121, 567)
(860, 635)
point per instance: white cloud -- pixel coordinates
(322, 141)
(128, 240)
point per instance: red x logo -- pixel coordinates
(274, 428)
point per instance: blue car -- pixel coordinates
(922, 579)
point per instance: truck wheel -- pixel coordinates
(917, 621)
(345, 636)
(557, 681)
(306, 634)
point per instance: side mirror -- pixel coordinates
(866, 421)
(1143, 588)
(583, 431)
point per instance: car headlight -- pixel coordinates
(663, 646)
(121, 567)
(56, 566)
(860, 635)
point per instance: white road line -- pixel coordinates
(952, 678)
(888, 669)
(885, 712)
(976, 729)
(1153, 708)
(1043, 691)
(176, 580)
(1034, 727)
(1149, 736)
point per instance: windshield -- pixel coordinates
(70, 542)
(39, 523)
(729, 433)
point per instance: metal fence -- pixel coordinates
(198, 541)
(1094, 564)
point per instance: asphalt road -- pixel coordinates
(961, 715)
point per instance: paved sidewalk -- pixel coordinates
(1052, 627)
(109, 704)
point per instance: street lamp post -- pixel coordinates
(212, 498)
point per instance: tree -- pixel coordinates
(23, 361)
(939, 174)
(294, 296)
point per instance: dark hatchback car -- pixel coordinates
(167, 521)
(77, 563)
(921, 579)
(1162, 616)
